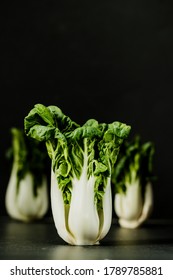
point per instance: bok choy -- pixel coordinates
(26, 197)
(132, 180)
(82, 160)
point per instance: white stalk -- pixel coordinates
(22, 204)
(60, 211)
(128, 205)
(80, 223)
(131, 209)
(107, 211)
(83, 217)
(148, 203)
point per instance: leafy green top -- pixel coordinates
(28, 155)
(92, 147)
(135, 161)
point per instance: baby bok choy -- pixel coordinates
(26, 197)
(82, 160)
(133, 183)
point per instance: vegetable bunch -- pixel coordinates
(132, 180)
(26, 196)
(82, 160)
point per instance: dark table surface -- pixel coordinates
(40, 241)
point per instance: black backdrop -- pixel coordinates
(109, 60)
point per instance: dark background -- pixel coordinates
(109, 60)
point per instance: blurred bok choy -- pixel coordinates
(132, 180)
(27, 196)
